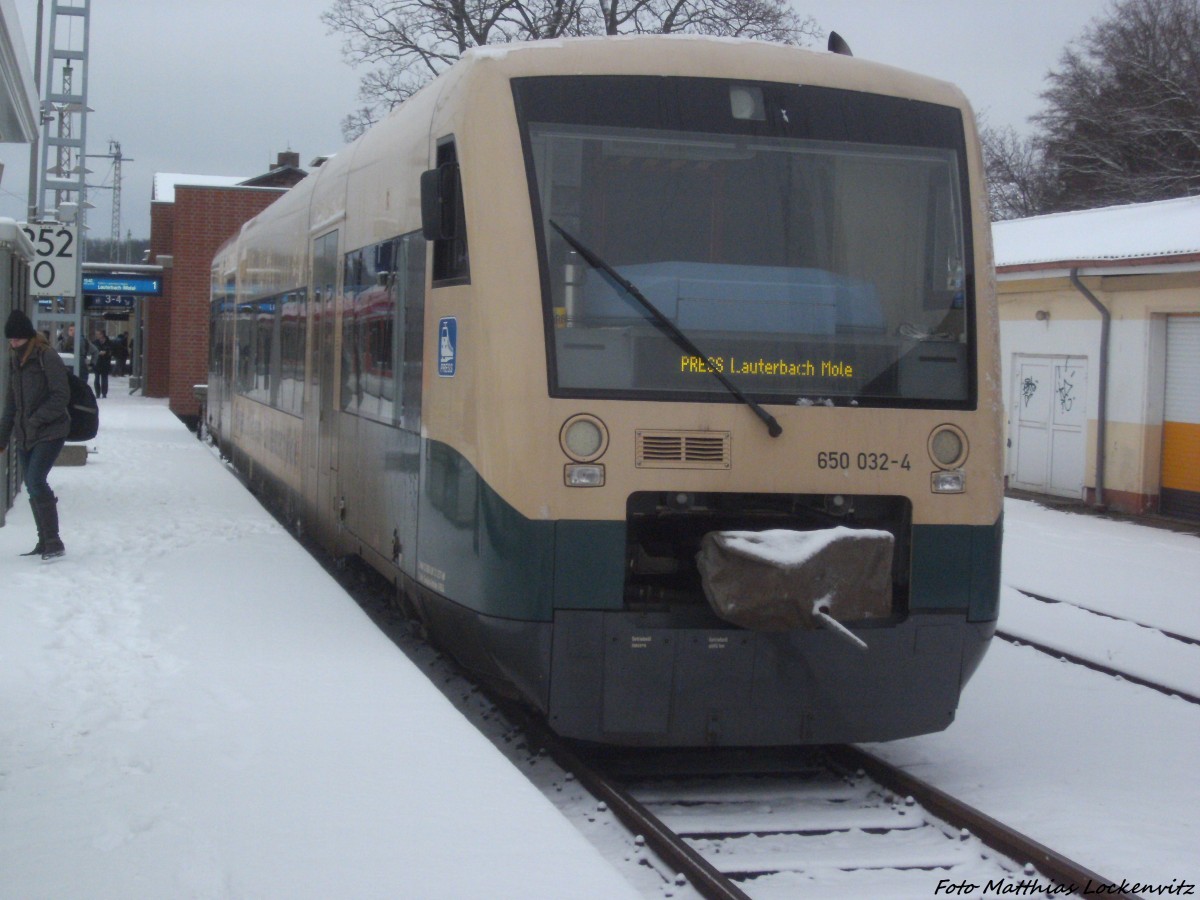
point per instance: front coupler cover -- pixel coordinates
(779, 579)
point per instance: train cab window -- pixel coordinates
(442, 198)
(812, 243)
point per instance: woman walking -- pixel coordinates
(36, 420)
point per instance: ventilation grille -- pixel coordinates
(682, 450)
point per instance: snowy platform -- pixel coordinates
(191, 707)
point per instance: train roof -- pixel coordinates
(707, 56)
(698, 56)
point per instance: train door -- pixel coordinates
(320, 414)
(409, 286)
(1049, 425)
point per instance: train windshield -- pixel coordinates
(811, 242)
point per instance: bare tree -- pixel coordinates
(1020, 183)
(1123, 123)
(405, 43)
(769, 20)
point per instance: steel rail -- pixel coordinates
(995, 834)
(1098, 667)
(1173, 635)
(701, 874)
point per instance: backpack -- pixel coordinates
(83, 409)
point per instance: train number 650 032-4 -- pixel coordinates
(863, 461)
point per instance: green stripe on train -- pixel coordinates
(957, 567)
(477, 550)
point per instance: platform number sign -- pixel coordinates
(56, 251)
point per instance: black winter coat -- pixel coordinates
(35, 409)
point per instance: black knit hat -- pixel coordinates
(18, 326)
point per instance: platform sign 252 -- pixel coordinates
(55, 267)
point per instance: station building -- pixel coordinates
(19, 105)
(1100, 348)
(191, 216)
(19, 109)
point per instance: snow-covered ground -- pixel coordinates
(190, 707)
(1099, 769)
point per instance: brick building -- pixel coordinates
(191, 216)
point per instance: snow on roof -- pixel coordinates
(1156, 231)
(166, 182)
(12, 234)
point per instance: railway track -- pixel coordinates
(832, 822)
(1096, 665)
(754, 825)
(1175, 636)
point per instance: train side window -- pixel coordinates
(292, 327)
(246, 346)
(382, 331)
(266, 322)
(444, 217)
(223, 294)
(352, 362)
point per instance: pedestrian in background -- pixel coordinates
(102, 364)
(66, 344)
(35, 419)
(120, 352)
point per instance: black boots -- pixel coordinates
(37, 520)
(45, 516)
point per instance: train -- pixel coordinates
(658, 374)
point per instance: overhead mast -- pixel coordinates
(64, 128)
(114, 153)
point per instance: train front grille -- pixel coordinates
(682, 449)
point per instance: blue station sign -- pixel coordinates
(122, 284)
(108, 301)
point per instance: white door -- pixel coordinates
(1049, 425)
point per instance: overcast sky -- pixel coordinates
(220, 87)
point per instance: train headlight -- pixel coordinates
(583, 438)
(948, 481)
(578, 475)
(948, 447)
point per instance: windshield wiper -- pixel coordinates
(666, 325)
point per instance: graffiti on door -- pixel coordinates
(1065, 389)
(1028, 388)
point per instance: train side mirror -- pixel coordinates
(439, 203)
